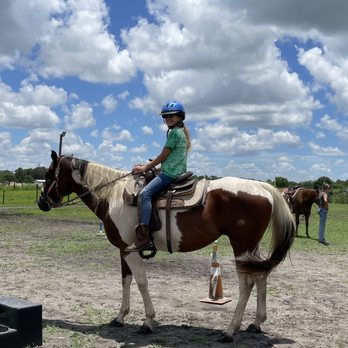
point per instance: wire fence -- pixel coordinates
(28, 194)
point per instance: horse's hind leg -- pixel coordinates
(307, 219)
(261, 316)
(246, 283)
(297, 217)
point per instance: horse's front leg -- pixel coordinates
(126, 283)
(246, 283)
(136, 265)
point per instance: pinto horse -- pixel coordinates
(301, 204)
(240, 209)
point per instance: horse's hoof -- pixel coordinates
(225, 338)
(144, 330)
(115, 323)
(252, 328)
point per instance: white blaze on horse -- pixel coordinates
(240, 209)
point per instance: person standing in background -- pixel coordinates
(323, 211)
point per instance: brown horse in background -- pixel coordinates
(300, 203)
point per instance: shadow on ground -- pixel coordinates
(169, 335)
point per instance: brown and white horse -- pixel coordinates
(240, 209)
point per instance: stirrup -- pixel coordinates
(152, 250)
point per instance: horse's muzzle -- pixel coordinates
(43, 204)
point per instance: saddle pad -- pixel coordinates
(187, 201)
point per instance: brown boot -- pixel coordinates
(142, 241)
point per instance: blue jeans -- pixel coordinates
(322, 223)
(158, 184)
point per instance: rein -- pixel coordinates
(74, 200)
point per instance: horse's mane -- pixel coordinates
(105, 178)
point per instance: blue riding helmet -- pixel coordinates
(173, 107)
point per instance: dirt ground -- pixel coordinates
(80, 293)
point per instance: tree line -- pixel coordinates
(338, 185)
(21, 175)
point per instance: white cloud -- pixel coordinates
(78, 44)
(328, 73)
(42, 95)
(325, 151)
(123, 96)
(200, 164)
(114, 133)
(80, 116)
(36, 148)
(109, 152)
(333, 125)
(95, 133)
(139, 149)
(147, 130)
(5, 142)
(109, 103)
(22, 25)
(30, 107)
(237, 77)
(221, 138)
(321, 169)
(69, 38)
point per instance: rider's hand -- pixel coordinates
(138, 169)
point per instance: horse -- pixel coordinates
(240, 209)
(300, 202)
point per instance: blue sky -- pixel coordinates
(264, 83)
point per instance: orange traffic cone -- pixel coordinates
(215, 294)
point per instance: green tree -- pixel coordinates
(281, 182)
(37, 173)
(6, 176)
(320, 181)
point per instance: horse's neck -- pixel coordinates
(104, 184)
(97, 174)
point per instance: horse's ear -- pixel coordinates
(54, 156)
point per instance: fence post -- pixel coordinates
(3, 196)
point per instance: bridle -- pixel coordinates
(54, 184)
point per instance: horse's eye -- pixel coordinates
(48, 181)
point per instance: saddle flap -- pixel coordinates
(185, 199)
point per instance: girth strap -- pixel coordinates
(168, 234)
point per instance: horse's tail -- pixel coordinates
(283, 229)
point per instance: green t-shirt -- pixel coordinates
(176, 162)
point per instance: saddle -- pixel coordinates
(291, 190)
(184, 193)
(289, 194)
